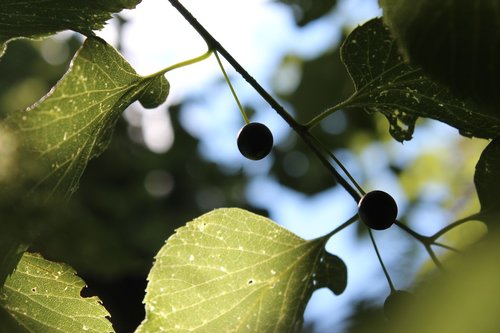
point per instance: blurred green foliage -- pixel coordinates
(306, 11)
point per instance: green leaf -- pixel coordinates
(74, 122)
(36, 18)
(231, 271)
(385, 83)
(487, 178)
(456, 42)
(332, 273)
(43, 296)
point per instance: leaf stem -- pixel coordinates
(342, 105)
(340, 165)
(391, 285)
(341, 227)
(453, 225)
(183, 63)
(226, 77)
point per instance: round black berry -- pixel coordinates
(255, 141)
(377, 210)
(395, 301)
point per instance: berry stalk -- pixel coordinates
(226, 77)
(386, 273)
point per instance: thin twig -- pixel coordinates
(341, 166)
(412, 232)
(182, 64)
(454, 224)
(391, 285)
(433, 257)
(444, 246)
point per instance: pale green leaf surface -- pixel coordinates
(35, 18)
(43, 296)
(385, 83)
(74, 122)
(231, 271)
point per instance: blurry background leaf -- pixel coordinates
(306, 11)
(365, 317)
(461, 301)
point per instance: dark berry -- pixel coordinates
(395, 301)
(255, 141)
(377, 210)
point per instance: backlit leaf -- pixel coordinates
(385, 83)
(43, 296)
(74, 122)
(231, 271)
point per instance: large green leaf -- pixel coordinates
(454, 41)
(43, 296)
(385, 83)
(487, 178)
(74, 122)
(35, 18)
(231, 271)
